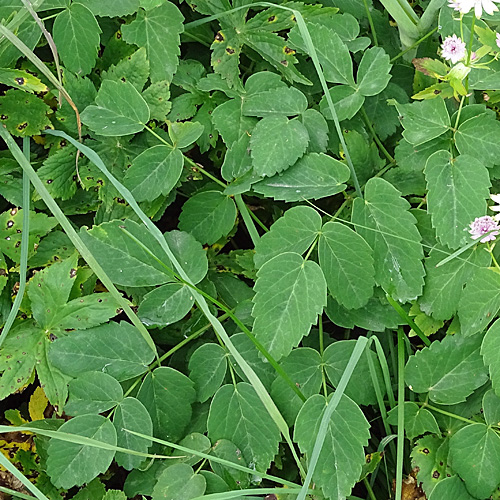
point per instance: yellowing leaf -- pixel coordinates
(37, 405)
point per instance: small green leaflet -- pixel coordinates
(317, 128)
(290, 293)
(449, 370)
(230, 477)
(183, 134)
(133, 69)
(418, 420)
(287, 101)
(490, 349)
(373, 72)
(491, 408)
(342, 456)
(346, 101)
(179, 478)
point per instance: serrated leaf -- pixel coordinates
(490, 351)
(158, 30)
(346, 101)
(58, 173)
(154, 172)
(93, 393)
(347, 263)
(290, 293)
(342, 455)
(317, 128)
(131, 415)
(114, 348)
(457, 193)
(134, 69)
(449, 370)
(167, 395)
(474, 454)
(276, 144)
(77, 36)
(71, 464)
(480, 301)
(237, 414)
(179, 482)
(418, 420)
(287, 101)
(237, 161)
(208, 216)
(120, 110)
(373, 72)
(157, 97)
(207, 369)
(226, 50)
(293, 232)
(313, 177)
(229, 120)
(384, 221)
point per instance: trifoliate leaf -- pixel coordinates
(158, 30)
(384, 221)
(418, 420)
(290, 293)
(237, 414)
(342, 455)
(313, 177)
(490, 351)
(373, 72)
(133, 69)
(179, 482)
(276, 102)
(449, 370)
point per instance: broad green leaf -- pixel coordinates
(93, 392)
(449, 370)
(114, 495)
(167, 395)
(480, 301)
(361, 386)
(317, 128)
(114, 348)
(287, 101)
(293, 232)
(457, 193)
(183, 134)
(132, 415)
(71, 464)
(313, 177)
(208, 216)
(77, 37)
(347, 263)
(474, 454)
(373, 72)
(303, 366)
(157, 97)
(237, 161)
(154, 172)
(384, 221)
(196, 442)
(179, 482)
(444, 285)
(207, 369)
(347, 101)
(342, 455)
(418, 420)
(28, 32)
(480, 137)
(276, 144)
(112, 9)
(58, 173)
(158, 30)
(133, 69)
(491, 407)
(423, 120)
(122, 258)
(120, 110)
(290, 293)
(237, 414)
(450, 488)
(166, 304)
(490, 349)
(229, 120)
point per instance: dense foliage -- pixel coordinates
(246, 249)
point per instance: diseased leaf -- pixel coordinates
(58, 173)
(133, 69)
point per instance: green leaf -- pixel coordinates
(317, 128)
(313, 177)
(114, 495)
(114, 348)
(347, 262)
(167, 395)
(480, 137)
(457, 190)
(207, 369)
(93, 392)
(361, 386)
(480, 301)
(384, 221)
(237, 414)
(423, 120)
(490, 351)
(208, 216)
(22, 80)
(235, 478)
(166, 304)
(158, 30)
(229, 120)
(133, 69)
(449, 370)
(290, 293)
(346, 101)
(491, 407)
(276, 144)
(157, 97)
(131, 415)
(77, 37)
(58, 173)
(287, 101)
(154, 172)
(112, 9)
(373, 72)
(474, 454)
(196, 442)
(237, 161)
(293, 232)
(120, 110)
(183, 134)
(342, 456)
(71, 464)
(418, 420)
(450, 488)
(179, 482)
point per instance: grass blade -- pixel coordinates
(401, 413)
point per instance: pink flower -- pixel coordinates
(483, 225)
(453, 49)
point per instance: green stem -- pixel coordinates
(247, 219)
(401, 413)
(375, 136)
(258, 221)
(416, 44)
(371, 494)
(311, 248)
(458, 114)
(430, 14)
(444, 412)
(370, 21)
(321, 350)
